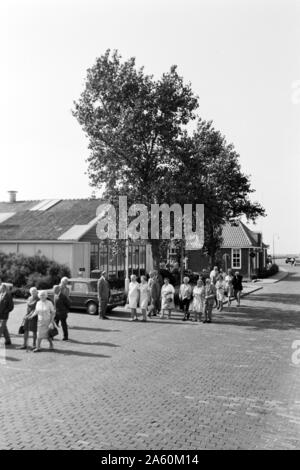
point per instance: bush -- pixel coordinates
(20, 292)
(28, 271)
(266, 272)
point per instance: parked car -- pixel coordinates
(83, 295)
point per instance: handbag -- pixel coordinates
(52, 331)
(22, 329)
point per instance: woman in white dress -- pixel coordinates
(220, 287)
(229, 285)
(198, 300)
(133, 296)
(45, 312)
(144, 297)
(167, 298)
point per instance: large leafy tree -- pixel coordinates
(140, 147)
(133, 123)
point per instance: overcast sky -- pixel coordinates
(242, 58)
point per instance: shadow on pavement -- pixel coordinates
(94, 343)
(93, 329)
(69, 352)
(293, 277)
(13, 359)
(278, 298)
(260, 318)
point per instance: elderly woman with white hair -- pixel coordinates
(30, 324)
(45, 313)
(133, 296)
(185, 297)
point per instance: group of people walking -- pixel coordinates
(155, 299)
(42, 316)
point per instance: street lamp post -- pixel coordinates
(274, 234)
(126, 265)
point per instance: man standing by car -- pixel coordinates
(6, 306)
(103, 295)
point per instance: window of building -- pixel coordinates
(104, 258)
(94, 256)
(236, 258)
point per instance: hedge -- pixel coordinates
(266, 272)
(28, 271)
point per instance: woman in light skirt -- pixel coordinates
(220, 287)
(198, 300)
(144, 297)
(167, 298)
(45, 312)
(133, 296)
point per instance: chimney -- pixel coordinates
(12, 196)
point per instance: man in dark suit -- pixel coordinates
(103, 295)
(6, 306)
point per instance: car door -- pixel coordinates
(79, 294)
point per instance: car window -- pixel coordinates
(93, 286)
(80, 287)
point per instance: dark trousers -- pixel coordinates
(4, 331)
(154, 307)
(208, 307)
(64, 325)
(102, 308)
(185, 303)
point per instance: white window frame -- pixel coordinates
(239, 252)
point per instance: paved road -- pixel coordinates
(161, 385)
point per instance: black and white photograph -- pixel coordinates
(149, 228)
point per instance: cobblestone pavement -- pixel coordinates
(162, 384)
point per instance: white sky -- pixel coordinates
(242, 58)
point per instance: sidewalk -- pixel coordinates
(282, 274)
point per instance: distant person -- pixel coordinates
(198, 300)
(214, 274)
(6, 306)
(163, 273)
(154, 289)
(103, 295)
(204, 275)
(64, 286)
(229, 286)
(237, 286)
(220, 288)
(175, 271)
(133, 296)
(209, 299)
(185, 297)
(213, 277)
(144, 297)
(62, 306)
(30, 324)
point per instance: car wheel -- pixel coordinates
(92, 308)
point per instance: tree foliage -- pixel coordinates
(140, 147)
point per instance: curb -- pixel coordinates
(274, 281)
(252, 290)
